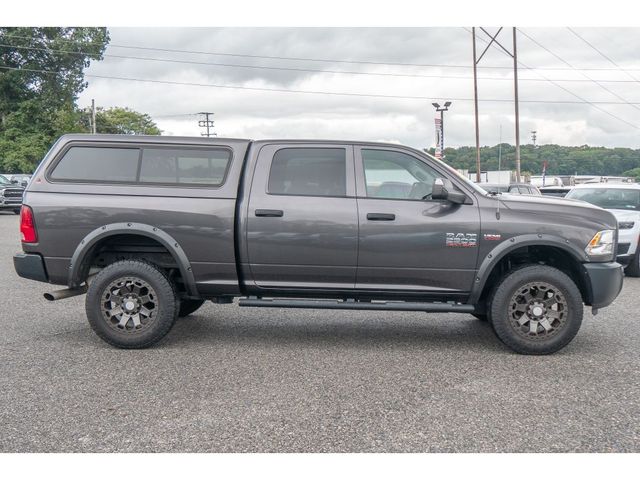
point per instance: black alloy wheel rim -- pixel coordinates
(129, 305)
(538, 310)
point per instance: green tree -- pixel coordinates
(561, 160)
(41, 76)
(125, 121)
(634, 172)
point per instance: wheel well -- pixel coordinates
(537, 254)
(132, 247)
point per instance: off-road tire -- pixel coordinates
(561, 304)
(633, 269)
(163, 313)
(188, 306)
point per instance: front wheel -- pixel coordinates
(536, 310)
(131, 304)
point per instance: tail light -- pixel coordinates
(27, 225)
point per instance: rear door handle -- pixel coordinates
(385, 217)
(261, 212)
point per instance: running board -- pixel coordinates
(356, 305)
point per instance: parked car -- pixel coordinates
(623, 200)
(10, 195)
(151, 227)
(21, 179)
(555, 191)
(512, 188)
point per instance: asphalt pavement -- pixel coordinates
(230, 379)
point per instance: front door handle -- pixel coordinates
(385, 217)
(261, 212)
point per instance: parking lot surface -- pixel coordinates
(230, 379)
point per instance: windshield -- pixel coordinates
(4, 180)
(610, 198)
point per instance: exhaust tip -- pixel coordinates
(49, 297)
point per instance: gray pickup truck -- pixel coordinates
(151, 227)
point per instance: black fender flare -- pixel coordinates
(513, 243)
(78, 269)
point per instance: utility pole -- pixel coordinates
(515, 94)
(500, 151)
(476, 60)
(475, 105)
(93, 116)
(206, 123)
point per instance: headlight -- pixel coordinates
(626, 225)
(601, 243)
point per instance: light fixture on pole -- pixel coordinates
(440, 128)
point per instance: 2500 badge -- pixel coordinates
(461, 240)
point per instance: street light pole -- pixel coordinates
(442, 109)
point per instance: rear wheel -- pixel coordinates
(131, 304)
(187, 307)
(536, 310)
(633, 269)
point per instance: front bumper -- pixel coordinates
(31, 266)
(604, 282)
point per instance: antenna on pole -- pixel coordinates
(206, 123)
(93, 116)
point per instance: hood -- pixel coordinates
(544, 205)
(623, 215)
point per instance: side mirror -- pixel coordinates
(15, 182)
(443, 189)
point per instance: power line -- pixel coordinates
(261, 67)
(593, 47)
(619, 97)
(325, 60)
(265, 67)
(594, 104)
(319, 92)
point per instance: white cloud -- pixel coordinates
(260, 114)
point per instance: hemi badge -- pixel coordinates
(492, 236)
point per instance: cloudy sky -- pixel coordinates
(572, 92)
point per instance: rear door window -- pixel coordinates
(318, 172)
(98, 164)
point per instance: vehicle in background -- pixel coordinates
(623, 200)
(150, 227)
(555, 191)
(547, 181)
(21, 179)
(512, 188)
(10, 195)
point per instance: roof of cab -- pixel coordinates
(101, 137)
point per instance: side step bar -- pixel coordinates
(356, 305)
